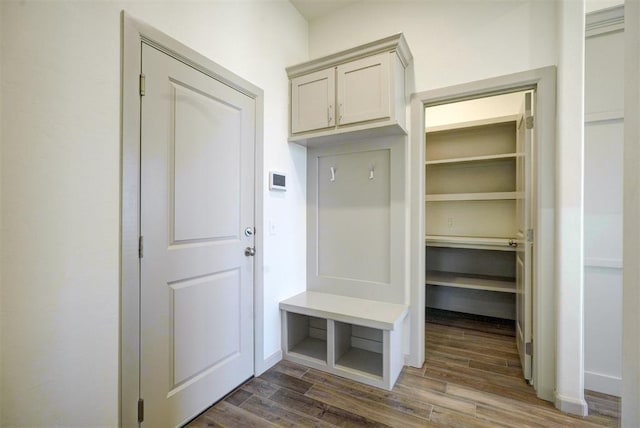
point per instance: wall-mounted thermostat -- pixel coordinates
(277, 181)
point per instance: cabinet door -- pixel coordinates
(312, 101)
(364, 90)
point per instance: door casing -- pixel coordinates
(543, 81)
(133, 33)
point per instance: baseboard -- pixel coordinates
(603, 383)
(412, 361)
(267, 363)
(571, 405)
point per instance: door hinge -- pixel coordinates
(529, 235)
(141, 246)
(140, 410)
(529, 122)
(528, 348)
(142, 84)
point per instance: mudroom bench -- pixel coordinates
(354, 338)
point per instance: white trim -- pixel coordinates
(544, 328)
(570, 405)
(416, 257)
(134, 32)
(129, 351)
(600, 262)
(605, 384)
(604, 21)
(603, 116)
(396, 43)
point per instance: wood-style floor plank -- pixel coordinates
(286, 381)
(291, 369)
(367, 409)
(280, 415)
(260, 387)
(449, 418)
(227, 415)
(390, 399)
(471, 378)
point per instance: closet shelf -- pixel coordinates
(474, 242)
(472, 159)
(486, 196)
(476, 282)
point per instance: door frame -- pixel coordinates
(543, 81)
(133, 33)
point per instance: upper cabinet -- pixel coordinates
(350, 93)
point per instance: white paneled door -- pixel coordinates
(197, 214)
(524, 295)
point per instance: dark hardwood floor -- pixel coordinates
(471, 378)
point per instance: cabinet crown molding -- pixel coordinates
(604, 21)
(396, 43)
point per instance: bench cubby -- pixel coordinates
(307, 336)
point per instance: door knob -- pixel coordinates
(249, 251)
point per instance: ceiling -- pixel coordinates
(312, 9)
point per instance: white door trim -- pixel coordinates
(543, 80)
(134, 32)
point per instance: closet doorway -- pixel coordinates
(482, 212)
(478, 212)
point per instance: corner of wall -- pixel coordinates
(569, 277)
(631, 252)
(2, 26)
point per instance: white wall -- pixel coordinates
(451, 42)
(593, 5)
(458, 42)
(60, 187)
(631, 291)
(604, 140)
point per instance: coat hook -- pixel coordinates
(333, 174)
(372, 168)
